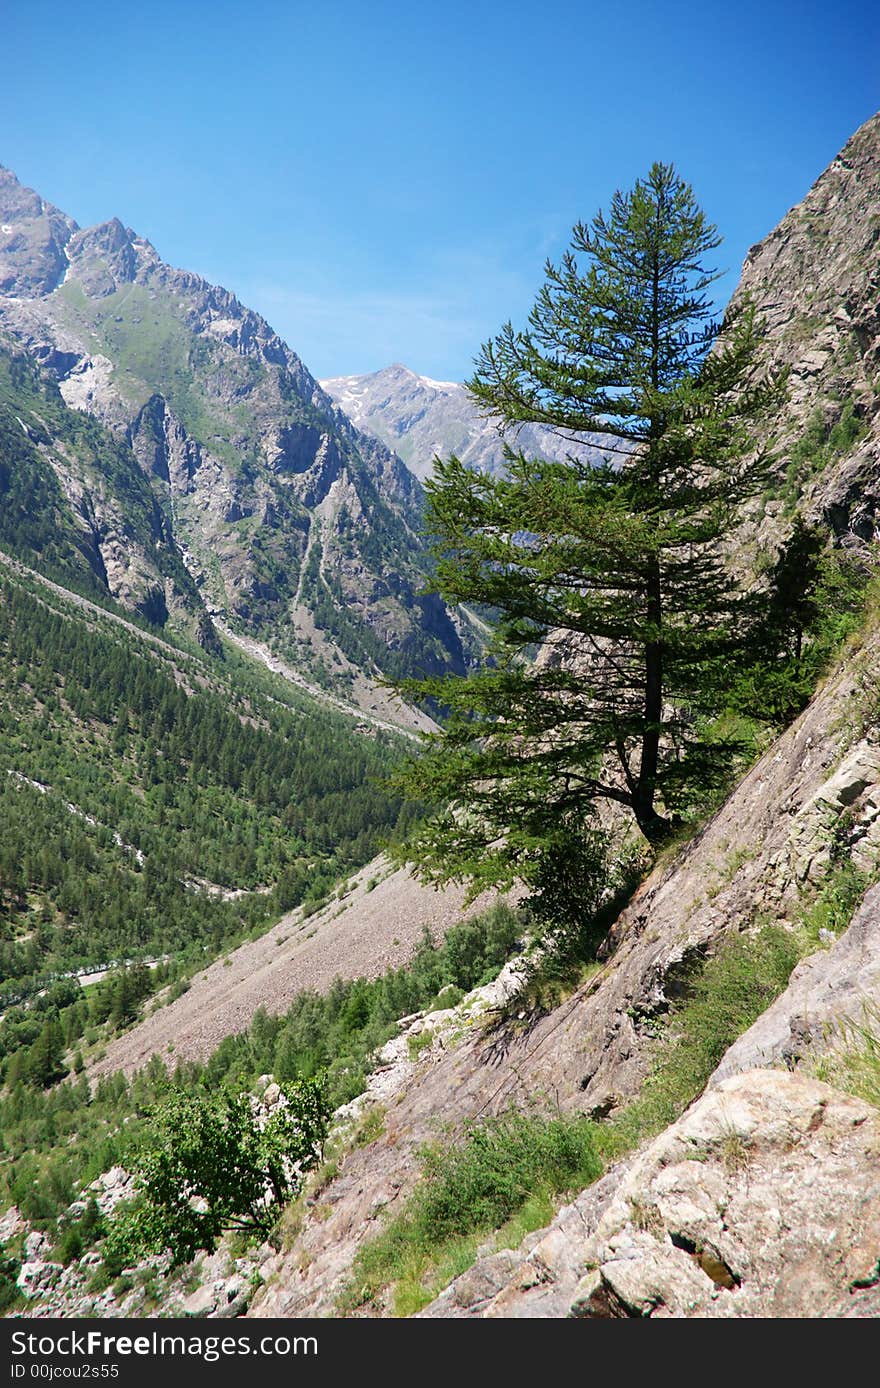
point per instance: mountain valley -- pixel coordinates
(211, 566)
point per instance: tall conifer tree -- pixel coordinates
(614, 572)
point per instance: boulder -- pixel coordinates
(761, 1201)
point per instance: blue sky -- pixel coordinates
(384, 181)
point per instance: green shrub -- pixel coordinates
(70, 1247)
(58, 1140)
(9, 1270)
(498, 1169)
(209, 1165)
(819, 444)
(479, 1183)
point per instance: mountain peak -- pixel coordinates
(33, 237)
(421, 419)
(298, 528)
(104, 257)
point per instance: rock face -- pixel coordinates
(70, 486)
(33, 235)
(762, 1200)
(292, 523)
(422, 419)
(816, 281)
(827, 993)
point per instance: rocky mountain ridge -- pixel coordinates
(292, 524)
(422, 419)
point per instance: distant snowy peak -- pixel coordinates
(420, 419)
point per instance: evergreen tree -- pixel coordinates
(814, 595)
(45, 1064)
(620, 562)
(793, 606)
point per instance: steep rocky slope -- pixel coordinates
(75, 500)
(292, 523)
(763, 854)
(761, 1199)
(374, 923)
(422, 419)
(816, 281)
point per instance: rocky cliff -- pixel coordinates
(816, 282)
(75, 501)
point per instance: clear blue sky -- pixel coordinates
(384, 180)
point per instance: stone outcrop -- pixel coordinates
(95, 500)
(816, 282)
(33, 237)
(828, 993)
(760, 1201)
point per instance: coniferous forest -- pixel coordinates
(149, 811)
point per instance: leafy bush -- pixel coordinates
(481, 1182)
(819, 444)
(9, 1270)
(578, 888)
(213, 1166)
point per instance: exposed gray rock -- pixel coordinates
(112, 1187)
(829, 988)
(36, 1276)
(34, 1245)
(33, 236)
(816, 281)
(201, 1302)
(11, 1223)
(761, 1201)
(108, 257)
(421, 419)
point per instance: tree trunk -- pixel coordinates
(654, 827)
(646, 786)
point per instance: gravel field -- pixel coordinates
(371, 930)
